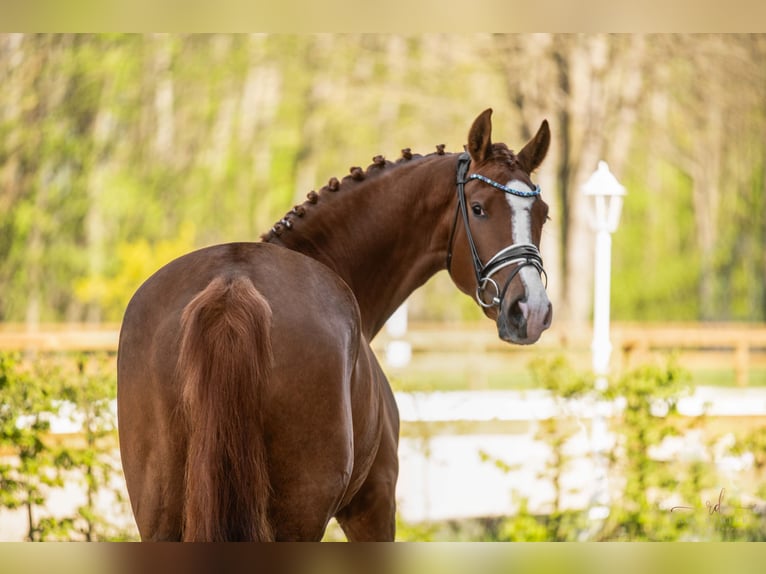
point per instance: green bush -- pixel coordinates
(639, 509)
(80, 388)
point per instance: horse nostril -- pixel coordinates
(519, 313)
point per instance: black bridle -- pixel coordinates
(519, 254)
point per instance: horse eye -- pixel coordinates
(477, 210)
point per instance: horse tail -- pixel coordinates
(224, 361)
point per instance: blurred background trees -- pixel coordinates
(119, 152)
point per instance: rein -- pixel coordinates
(519, 254)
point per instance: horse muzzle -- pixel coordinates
(522, 320)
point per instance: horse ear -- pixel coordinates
(480, 137)
(534, 152)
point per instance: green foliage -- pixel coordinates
(92, 387)
(81, 388)
(524, 527)
(556, 376)
(754, 442)
(655, 262)
(133, 264)
(639, 510)
(408, 532)
(650, 394)
(113, 144)
(24, 424)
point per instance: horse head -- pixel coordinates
(494, 246)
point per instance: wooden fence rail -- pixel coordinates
(741, 347)
(59, 337)
(737, 345)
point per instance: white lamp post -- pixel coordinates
(608, 196)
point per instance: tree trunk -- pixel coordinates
(575, 79)
(164, 96)
(258, 106)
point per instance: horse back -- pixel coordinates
(313, 311)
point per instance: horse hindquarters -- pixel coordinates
(167, 407)
(224, 362)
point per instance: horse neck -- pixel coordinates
(384, 232)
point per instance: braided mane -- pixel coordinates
(500, 151)
(356, 175)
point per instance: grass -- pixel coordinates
(430, 372)
(461, 381)
(726, 377)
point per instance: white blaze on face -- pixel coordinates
(536, 304)
(521, 212)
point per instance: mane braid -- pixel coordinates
(334, 185)
(503, 152)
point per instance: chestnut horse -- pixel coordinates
(250, 404)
